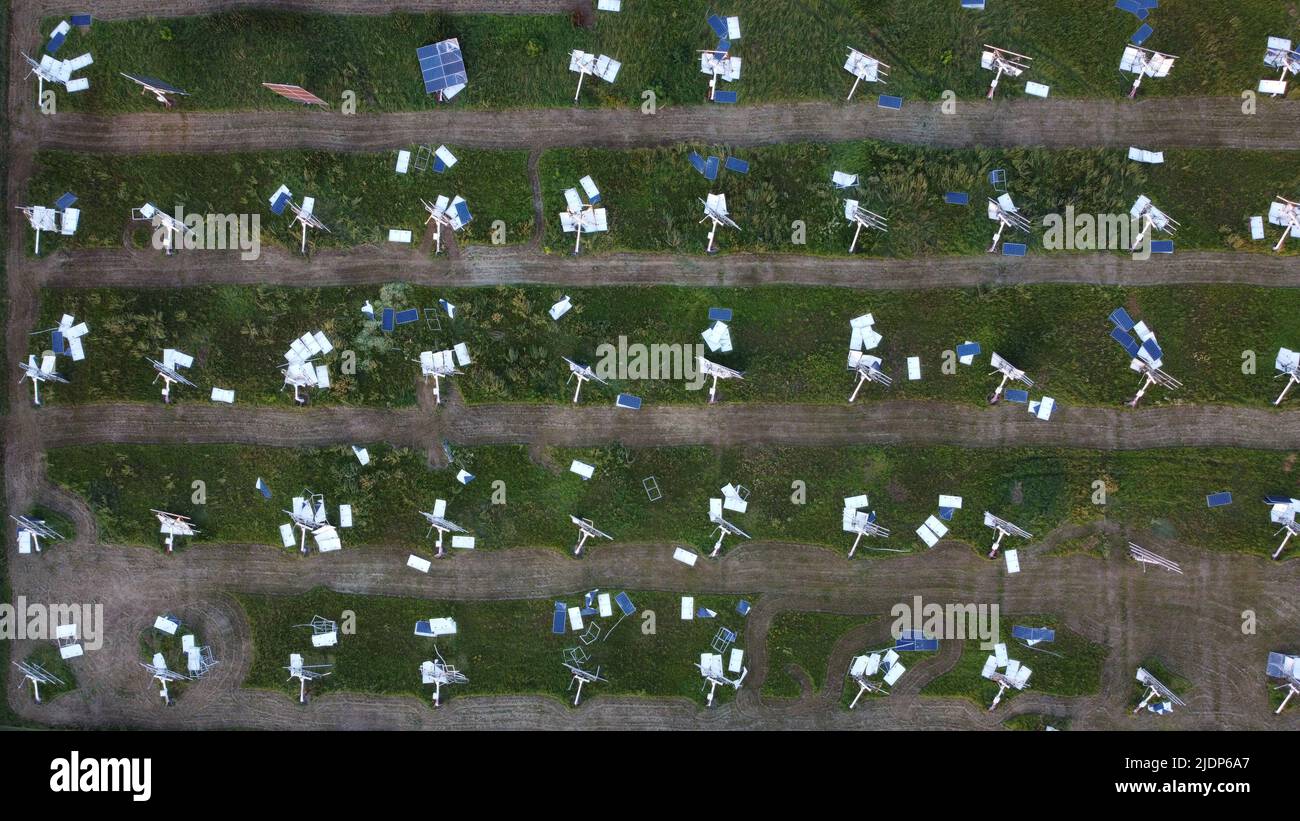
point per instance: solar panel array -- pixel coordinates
(442, 67)
(297, 94)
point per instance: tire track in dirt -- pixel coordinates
(481, 265)
(1170, 122)
(873, 423)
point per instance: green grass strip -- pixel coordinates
(1158, 491)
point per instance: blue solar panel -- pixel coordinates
(625, 604)
(738, 165)
(1017, 395)
(957, 198)
(945, 513)
(1131, 6)
(1140, 36)
(388, 319)
(1129, 343)
(1277, 500)
(718, 25)
(407, 317)
(697, 162)
(56, 43)
(724, 97)
(1162, 246)
(719, 314)
(742, 607)
(438, 164)
(462, 211)
(886, 101)
(441, 65)
(1152, 349)
(263, 488)
(711, 168)
(724, 45)
(1024, 633)
(281, 201)
(976, 5)
(557, 621)
(627, 400)
(58, 342)
(1122, 320)
(589, 611)
(81, 19)
(1218, 499)
(1014, 249)
(704, 613)
(65, 201)
(969, 349)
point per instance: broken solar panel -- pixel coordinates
(296, 94)
(442, 67)
(154, 84)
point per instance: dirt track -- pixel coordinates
(1192, 622)
(1197, 122)
(877, 423)
(525, 265)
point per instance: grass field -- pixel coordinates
(791, 342)
(803, 640)
(1074, 671)
(502, 646)
(359, 196)
(1160, 491)
(791, 50)
(653, 195)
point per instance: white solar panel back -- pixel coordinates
(1013, 561)
(589, 186)
(462, 542)
(72, 217)
(166, 625)
(322, 377)
(462, 353)
(444, 154)
(928, 536)
(415, 562)
(327, 539)
(345, 515)
(953, 502)
(175, 359)
(607, 68)
(568, 222)
(439, 508)
(856, 502)
(572, 199)
(895, 673)
(715, 509)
